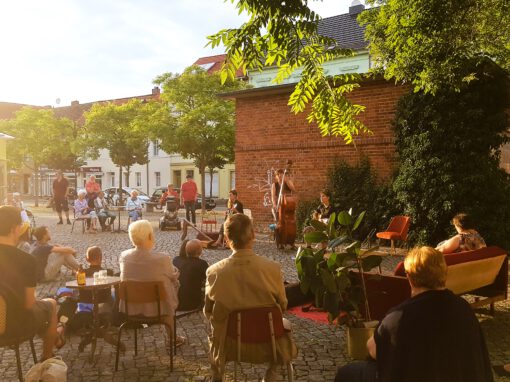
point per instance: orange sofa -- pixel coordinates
(482, 273)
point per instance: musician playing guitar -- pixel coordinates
(325, 209)
(282, 188)
(234, 206)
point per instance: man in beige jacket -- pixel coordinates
(243, 281)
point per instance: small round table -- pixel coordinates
(94, 288)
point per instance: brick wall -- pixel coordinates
(268, 134)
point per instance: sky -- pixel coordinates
(58, 51)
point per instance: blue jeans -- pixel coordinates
(190, 208)
(135, 215)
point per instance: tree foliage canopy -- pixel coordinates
(193, 121)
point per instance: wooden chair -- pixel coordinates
(138, 292)
(268, 322)
(397, 230)
(14, 342)
(78, 219)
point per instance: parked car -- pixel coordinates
(112, 195)
(158, 192)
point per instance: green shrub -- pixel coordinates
(449, 148)
(304, 211)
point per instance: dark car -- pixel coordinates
(158, 192)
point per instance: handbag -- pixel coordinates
(50, 370)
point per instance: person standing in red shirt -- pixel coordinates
(189, 193)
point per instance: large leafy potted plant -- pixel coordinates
(324, 271)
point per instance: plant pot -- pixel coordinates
(357, 342)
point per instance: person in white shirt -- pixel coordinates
(103, 212)
(134, 207)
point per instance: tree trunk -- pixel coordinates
(211, 173)
(128, 170)
(36, 185)
(202, 174)
(120, 186)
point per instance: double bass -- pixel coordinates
(285, 213)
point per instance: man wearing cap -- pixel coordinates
(188, 197)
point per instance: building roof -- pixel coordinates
(345, 29)
(212, 64)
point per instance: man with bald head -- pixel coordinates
(192, 276)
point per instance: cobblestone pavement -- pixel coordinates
(322, 346)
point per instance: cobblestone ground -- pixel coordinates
(322, 346)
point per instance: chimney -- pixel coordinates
(75, 103)
(155, 90)
(356, 8)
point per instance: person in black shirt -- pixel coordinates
(325, 209)
(234, 206)
(433, 336)
(25, 314)
(60, 193)
(192, 276)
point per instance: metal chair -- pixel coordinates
(78, 219)
(180, 314)
(14, 342)
(397, 230)
(138, 292)
(257, 326)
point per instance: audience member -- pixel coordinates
(192, 276)
(168, 193)
(82, 210)
(134, 206)
(189, 194)
(142, 263)
(94, 258)
(103, 212)
(433, 336)
(467, 238)
(60, 189)
(178, 260)
(93, 189)
(242, 281)
(24, 241)
(50, 257)
(25, 314)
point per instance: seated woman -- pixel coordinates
(325, 209)
(467, 239)
(82, 210)
(134, 206)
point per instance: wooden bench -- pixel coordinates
(482, 273)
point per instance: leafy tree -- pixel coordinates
(120, 129)
(41, 139)
(194, 122)
(449, 145)
(435, 44)
(286, 36)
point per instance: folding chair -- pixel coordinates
(257, 326)
(181, 314)
(83, 221)
(14, 342)
(138, 292)
(397, 230)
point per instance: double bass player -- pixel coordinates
(281, 189)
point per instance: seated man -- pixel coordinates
(50, 257)
(25, 314)
(243, 281)
(134, 206)
(169, 192)
(234, 206)
(192, 276)
(103, 212)
(433, 336)
(142, 263)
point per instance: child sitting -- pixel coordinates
(95, 258)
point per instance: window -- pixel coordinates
(177, 181)
(215, 185)
(155, 148)
(232, 180)
(138, 176)
(111, 175)
(157, 175)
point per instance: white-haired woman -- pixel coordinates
(82, 210)
(134, 206)
(142, 263)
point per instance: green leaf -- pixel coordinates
(358, 221)
(344, 218)
(315, 237)
(318, 225)
(370, 262)
(328, 280)
(332, 261)
(338, 241)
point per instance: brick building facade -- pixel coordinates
(268, 134)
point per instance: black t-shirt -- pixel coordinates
(59, 188)
(324, 212)
(41, 252)
(18, 272)
(433, 336)
(192, 279)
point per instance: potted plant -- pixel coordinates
(324, 271)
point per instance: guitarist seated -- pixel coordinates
(234, 206)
